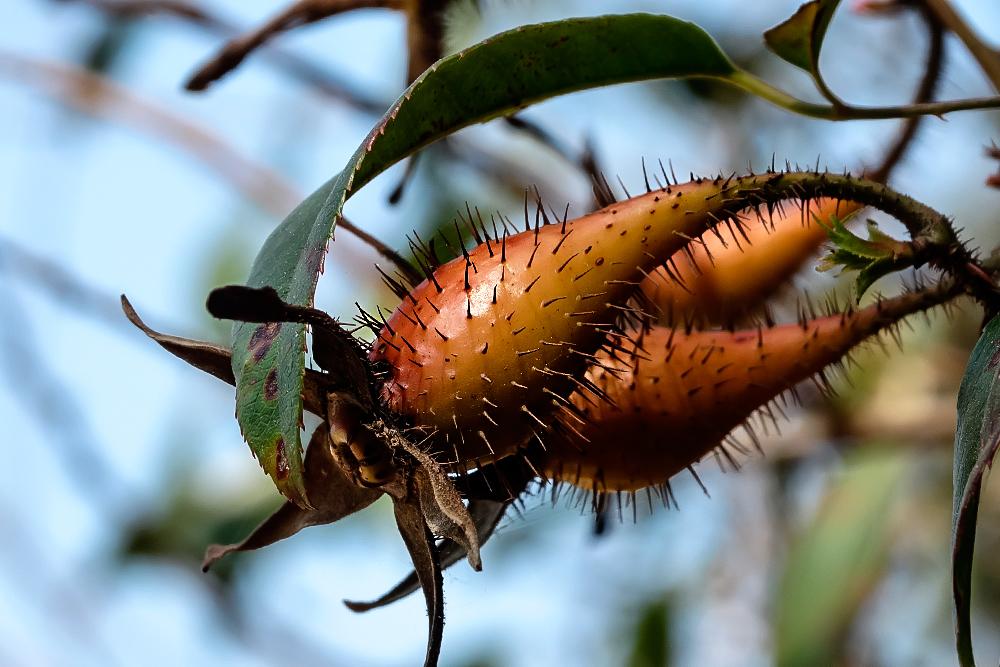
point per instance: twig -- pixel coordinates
(381, 248)
(300, 13)
(299, 68)
(586, 161)
(988, 58)
(924, 93)
(424, 35)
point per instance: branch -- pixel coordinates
(424, 35)
(924, 93)
(988, 59)
(776, 96)
(300, 13)
(299, 68)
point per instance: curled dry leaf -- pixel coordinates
(486, 514)
(217, 360)
(442, 506)
(332, 493)
(423, 552)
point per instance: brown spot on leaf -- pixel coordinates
(262, 338)
(271, 385)
(281, 468)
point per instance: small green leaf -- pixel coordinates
(799, 39)
(874, 257)
(834, 564)
(493, 78)
(977, 437)
(651, 636)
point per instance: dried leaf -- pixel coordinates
(213, 359)
(217, 360)
(420, 543)
(443, 509)
(333, 496)
(485, 513)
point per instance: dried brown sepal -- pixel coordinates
(486, 514)
(213, 359)
(217, 360)
(440, 502)
(420, 543)
(490, 490)
(333, 496)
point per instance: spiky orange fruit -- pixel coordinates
(481, 350)
(677, 395)
(724, 279)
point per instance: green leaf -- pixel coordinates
(268, 360)
(874, 257)
(651, 636)
(977, 438)
(834, 564)
(493, 78)
(799, 39)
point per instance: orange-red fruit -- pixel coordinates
(681, 394)
(732, 277)
(481, 353)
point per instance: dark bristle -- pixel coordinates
(469, 224)
(394, 285)
(645, 176)
(624, 189)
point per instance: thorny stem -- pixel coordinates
(988, 58)
(778, 97)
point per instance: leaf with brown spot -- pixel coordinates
(332, 494)
(334, 348)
